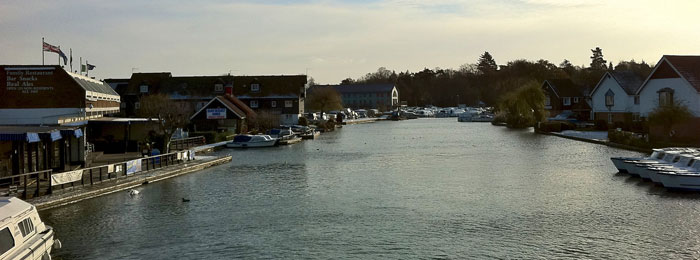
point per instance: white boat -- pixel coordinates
(250, 141)
(678, 161)
(685, 178)
(633, 165)
(22, 233)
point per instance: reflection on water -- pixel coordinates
(427, 188)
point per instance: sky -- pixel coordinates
(331, 40)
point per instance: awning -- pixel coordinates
(77, 133)
(53, 136)
(33, 138)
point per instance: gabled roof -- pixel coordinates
(238, 108)
(240, 105)
(361, 88)
(628, 80)
(687, 66)
(565, 88)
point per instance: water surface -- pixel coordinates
(426, 188)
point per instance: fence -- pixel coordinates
(35, 184)
(187, 143)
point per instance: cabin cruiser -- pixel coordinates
(678, 161)
(22, 233)
(684, 178)
(249, 141)
(629, 164)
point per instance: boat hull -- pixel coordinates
(251, 144)
(675, 181)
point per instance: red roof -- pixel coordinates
(240, 105)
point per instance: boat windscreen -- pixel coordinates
(241, 138)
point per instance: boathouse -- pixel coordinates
(224, 113)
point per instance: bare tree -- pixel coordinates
(169, 114)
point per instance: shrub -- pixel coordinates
(601, 125)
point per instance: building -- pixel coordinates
(281, 95)
(223, 113)
(563, 95)
(674, 79)
(614, 98)
(367, 96)
(43, 114)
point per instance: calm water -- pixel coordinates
(426, 188)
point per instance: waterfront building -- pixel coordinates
(563, 95)
(614, 98)
(673, 79)
(367, 96)
(278, 94)
(44, 111)
(224, 113)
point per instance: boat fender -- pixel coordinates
(57, 244)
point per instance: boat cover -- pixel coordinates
(241, 138)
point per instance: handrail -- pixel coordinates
(25, 174)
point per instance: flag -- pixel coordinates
(71, 59)
(90, 66)
(51, 48)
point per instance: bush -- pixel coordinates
(303, 121)
(601, 125)
(627, 138)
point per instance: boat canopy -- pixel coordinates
(241, 138)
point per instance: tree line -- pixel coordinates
(486, 83)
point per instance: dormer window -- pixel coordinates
(576, 99)
(144, 88)
(255, 87)
(665, 97)
(218, 87)
(609, 98)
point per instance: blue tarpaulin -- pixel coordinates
(33, 138)
(77, 133)
(55, 135)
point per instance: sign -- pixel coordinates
(133, 166)
(66, 177)
(28, 80)
(216, 113)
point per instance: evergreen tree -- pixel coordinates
(597, 61)
(486, 63)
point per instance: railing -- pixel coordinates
(35, 184)
(187, 143)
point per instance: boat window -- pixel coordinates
(26, 227)
(661, 156)
(676, 159)
(690, 163)
(7, 242)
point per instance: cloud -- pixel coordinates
(340, 38)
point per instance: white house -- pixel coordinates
(614, 98)
(674, 79)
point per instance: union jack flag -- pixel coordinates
(51, 48)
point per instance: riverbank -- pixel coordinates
(589, 139)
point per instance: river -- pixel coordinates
(425, 188)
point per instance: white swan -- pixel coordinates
(133, 192)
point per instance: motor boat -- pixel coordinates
(250, 141)
(683, 178)
(22, 233)
(630, 164)
(678, 161)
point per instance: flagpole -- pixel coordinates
(87, 70)
(81, 66)
(42, 51)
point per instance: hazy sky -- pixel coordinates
(336, 39)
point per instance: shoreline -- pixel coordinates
(595, 141)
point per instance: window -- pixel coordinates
(567, 101)
(609, 98)
(287, 103)
(7, 242)
(254, 104)
(273, 103)
(218, 87)
(255, 87)
(636, 100)
(665, 97)
(144, 88)
(576, 100)
(26, 227)
(547, 101)
(137, 105)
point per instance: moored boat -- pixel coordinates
(22, 233)
(250, 141)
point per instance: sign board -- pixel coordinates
(216, 113)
